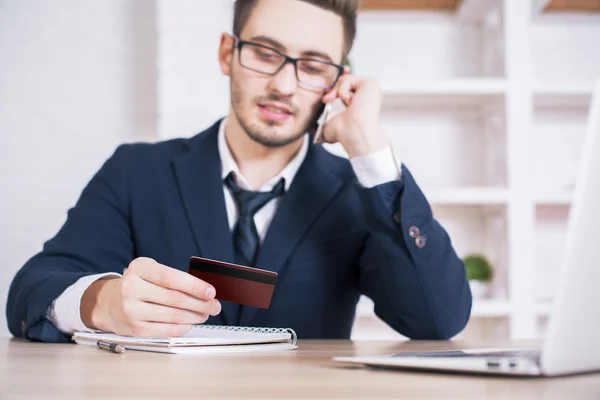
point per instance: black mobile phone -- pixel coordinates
(315, 125)
(321, 121)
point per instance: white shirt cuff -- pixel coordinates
(376, 168)
(65, 312)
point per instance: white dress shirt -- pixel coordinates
(371, 170)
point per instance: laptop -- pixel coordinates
(572, 343)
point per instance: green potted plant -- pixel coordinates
(479, 274)
(348, 63)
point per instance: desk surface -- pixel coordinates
(51, 371)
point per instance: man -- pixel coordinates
(254, 189)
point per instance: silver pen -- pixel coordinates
(112, 347)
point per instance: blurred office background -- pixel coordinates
(485, 101)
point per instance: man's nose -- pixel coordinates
(285, 82)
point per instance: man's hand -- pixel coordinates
(149, 300)
(358, 127)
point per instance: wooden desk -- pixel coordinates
(49, 371)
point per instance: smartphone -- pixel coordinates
(321, 123)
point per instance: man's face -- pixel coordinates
(277, 110)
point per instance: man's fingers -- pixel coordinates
(344, 89)
(353, 81)
(149, 312)
(156, 329)
(149, 292)
(330, 96)
(171, 278)
(345, 92)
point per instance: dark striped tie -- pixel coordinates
(245, 235)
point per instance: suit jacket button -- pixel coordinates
(420, 241)
(413, 232)
(397, 217)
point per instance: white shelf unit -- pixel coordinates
(445, 92)
(465, 196)
(487, 108)
(554, 197)
(561, 95)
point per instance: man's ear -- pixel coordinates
(226, 53)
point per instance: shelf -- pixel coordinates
(554, 198)
(562, 6)
(562, 95)
(468, 196)
(466, 10)
(490, 308)
(433, 5)
(470, 11)
(543, 309)
(454, 92)
(573, 5)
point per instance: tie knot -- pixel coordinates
(248, 201)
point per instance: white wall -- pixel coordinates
(192, 92)
(76, 79)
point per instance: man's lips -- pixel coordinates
(275, 112)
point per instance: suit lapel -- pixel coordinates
(199, 177)
(311, 191)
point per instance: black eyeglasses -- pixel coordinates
(310, 72)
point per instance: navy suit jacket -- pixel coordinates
(330, 241)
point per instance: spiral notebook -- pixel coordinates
(201, 339)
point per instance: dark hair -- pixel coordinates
(344, 8)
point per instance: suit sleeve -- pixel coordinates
(96, 238)
(409, 267)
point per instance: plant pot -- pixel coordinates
(479, 289)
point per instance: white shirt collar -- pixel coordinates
(229, 165)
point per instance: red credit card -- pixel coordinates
(236, 283)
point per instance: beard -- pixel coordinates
(266, 133)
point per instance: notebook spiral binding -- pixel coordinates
(266, 331)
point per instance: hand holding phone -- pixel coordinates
(357, 126)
